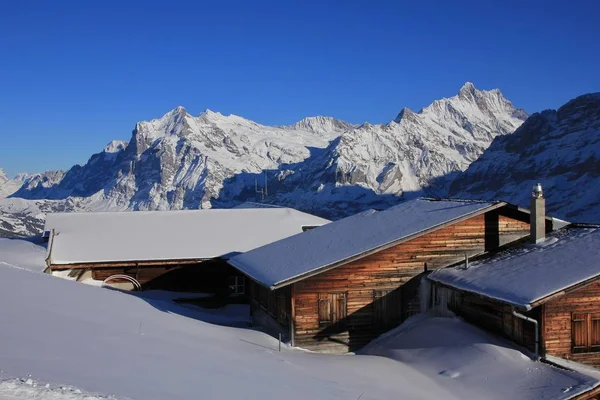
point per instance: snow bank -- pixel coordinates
(90, 343)
(22, 254)
(474, 364)
(15, 389)
(109, 342)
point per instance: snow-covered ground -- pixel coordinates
(62, 340)
(22, 254)
(474, 364)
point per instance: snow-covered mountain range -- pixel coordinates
(558, 148)
(320, 164)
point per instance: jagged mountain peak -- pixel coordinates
(115, 146)
(468, 88)
(207, 113)
(3, 176)
(404, 113)
(181, 161)
(320, 124)
(470, 103)
(559, 148)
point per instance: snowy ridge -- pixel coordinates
(321, 165)
(321, 125)
(558, 148)
(415, 154)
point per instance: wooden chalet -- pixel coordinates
(336, 287)
(544, 296)
(170, 250)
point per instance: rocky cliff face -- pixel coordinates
(417, 153)
(558, 148)
(319, 164)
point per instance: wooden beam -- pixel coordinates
(141, 264)
(293, 316)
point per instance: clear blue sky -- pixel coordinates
(75, 75)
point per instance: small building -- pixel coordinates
(336, 287)
(544, 296)
(172, 250)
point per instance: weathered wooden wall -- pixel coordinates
(489, 314)
(207, 277)
(143, 274)
(275, 303)
(383, 279)
(557, 338)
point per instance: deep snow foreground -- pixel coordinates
(109, 343)
(22, 254)
(474, 364)
(112, 343)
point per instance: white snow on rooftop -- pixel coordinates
(528, 273)
(318, 248)
(169, 235)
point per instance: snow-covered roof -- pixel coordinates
(169, 235)
(301, 255)
(529, 273)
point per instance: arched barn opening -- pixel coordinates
(123, 282)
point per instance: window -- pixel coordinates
(237, 285)
(332, 308)
(585, 332)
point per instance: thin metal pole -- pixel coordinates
(280, 342)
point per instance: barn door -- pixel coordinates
(387, 308)
(332, 308)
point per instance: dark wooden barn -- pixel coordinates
(183, 251)
(337, 287)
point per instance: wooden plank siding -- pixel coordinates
(387, 278)
(211, 276)
(557, 332)
(489, 314)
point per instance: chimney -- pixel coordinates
(537, 223)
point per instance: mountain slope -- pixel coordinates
(417, 153)
(180, 161)
(320, 164)
(559, 148)
(10, 186)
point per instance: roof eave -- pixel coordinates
(309, 274)
(523, 307)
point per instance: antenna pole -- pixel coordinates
(266, 187)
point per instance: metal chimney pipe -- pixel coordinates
(537, 223)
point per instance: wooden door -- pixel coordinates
(387, 308)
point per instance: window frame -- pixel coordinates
(331, 298)
(238, 287)
(587, 320)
